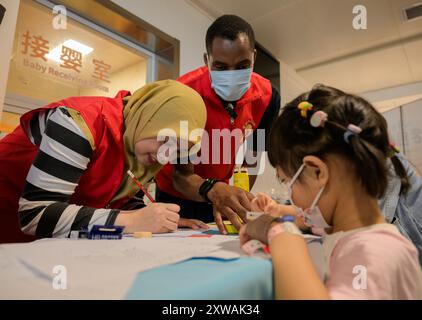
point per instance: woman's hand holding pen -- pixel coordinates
(155, 217)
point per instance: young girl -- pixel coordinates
(330, 149)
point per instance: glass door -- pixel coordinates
(84, 59)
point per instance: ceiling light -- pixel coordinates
(56, 53)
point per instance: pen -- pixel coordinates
(140, 185)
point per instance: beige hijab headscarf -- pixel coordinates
(158, 105)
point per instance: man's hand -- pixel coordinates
(192, 223)
(231, 202)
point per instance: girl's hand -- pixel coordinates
(264, 203)
(261, 202)
(155, 217)
(257, 229)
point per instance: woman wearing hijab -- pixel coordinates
(64, 167)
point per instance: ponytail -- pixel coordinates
(370, 166)
(401, 173)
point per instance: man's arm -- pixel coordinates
(187, 182)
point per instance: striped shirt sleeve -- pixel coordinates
(63, 156)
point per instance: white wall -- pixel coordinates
(292, 84)
(7, 32)
(178, 19)
(389, 98)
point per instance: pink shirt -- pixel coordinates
(374, 262)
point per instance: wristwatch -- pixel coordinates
(205, 187)
(284, 224)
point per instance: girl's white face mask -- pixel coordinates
(312, 216)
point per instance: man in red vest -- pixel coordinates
(237, 99)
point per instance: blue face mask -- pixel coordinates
(231, 85)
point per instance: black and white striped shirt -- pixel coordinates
(63, 156)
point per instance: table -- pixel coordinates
(182, 265)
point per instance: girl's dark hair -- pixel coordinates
(292, 137)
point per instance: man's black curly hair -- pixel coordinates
(229, 27)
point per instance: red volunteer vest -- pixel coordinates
(98, 184)
(249, 109)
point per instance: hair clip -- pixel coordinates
(304, 106)
(351, 131)
(319, 119)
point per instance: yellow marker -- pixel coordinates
(241, 178)
(142, 234)
(229, 227)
